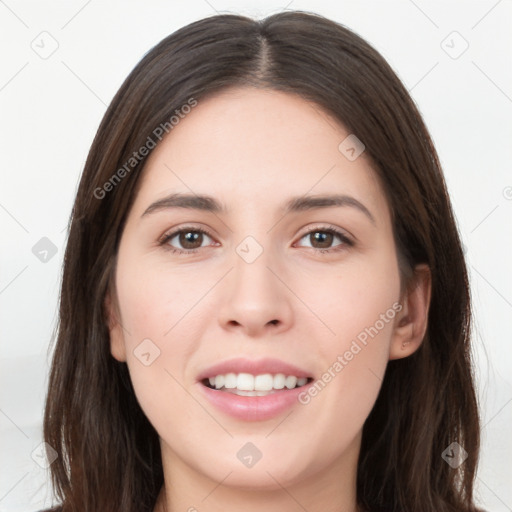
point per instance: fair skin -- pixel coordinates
(253, 150)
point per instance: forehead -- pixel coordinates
(244, 144)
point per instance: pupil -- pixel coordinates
(188, 238)
(324, 238)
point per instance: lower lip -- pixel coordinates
(253, 408)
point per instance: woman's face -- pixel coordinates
(248, 282)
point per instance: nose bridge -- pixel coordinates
(252, 279)
(255, 297)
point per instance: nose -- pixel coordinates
(255, 300)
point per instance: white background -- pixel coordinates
(51, 108)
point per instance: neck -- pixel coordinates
(330, 489)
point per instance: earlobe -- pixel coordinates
(117, 346)
(412, 321)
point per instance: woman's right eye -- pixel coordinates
(190, 240)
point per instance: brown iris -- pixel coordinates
(323, 237)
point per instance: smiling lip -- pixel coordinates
(253, 408)
(258, 367)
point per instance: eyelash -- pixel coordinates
(187, 229)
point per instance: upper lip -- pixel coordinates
(254, 367)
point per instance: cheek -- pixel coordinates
(338, 403)
(359, 306)
(349, 299)
(164, 311)
(157, 301)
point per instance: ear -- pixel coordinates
(411, 322)
(117, 345)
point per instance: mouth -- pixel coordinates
(247, 384)
(254, 390)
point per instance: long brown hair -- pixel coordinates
(109, 453)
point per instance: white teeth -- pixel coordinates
(263, 382)
(247, 383)
(279, 381)
(219, 381)
(291, 382)
(249, 393)
(230, 381)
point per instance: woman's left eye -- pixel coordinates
(322, 239)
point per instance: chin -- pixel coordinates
(266, 478)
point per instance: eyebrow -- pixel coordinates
(295, 204)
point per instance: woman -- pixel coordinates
(264, 300)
